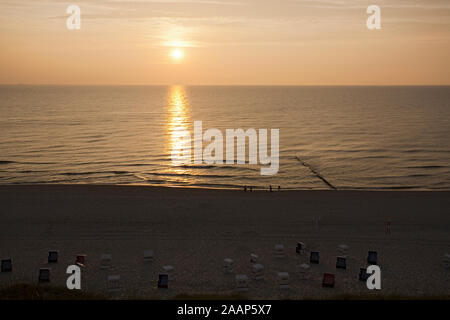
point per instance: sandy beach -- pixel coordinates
(195, 229)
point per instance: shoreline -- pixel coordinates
(256, 189)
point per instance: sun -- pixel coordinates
(177, 54)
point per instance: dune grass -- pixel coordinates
(46, 292)
(205, 296)
(43, 292)
(376, 296)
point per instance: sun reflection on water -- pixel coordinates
(178, 122)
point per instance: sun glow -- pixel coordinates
(178, 123)
(177, 54)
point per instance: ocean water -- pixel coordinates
(350, 137)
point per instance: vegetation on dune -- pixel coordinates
(46, 292)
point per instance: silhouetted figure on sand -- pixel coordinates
(270, 188)
(279, 188)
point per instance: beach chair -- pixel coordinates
(372, 257)
(258, 271)
(343, 249)
(163, 281)
(105, 261)
(363, 275)
(53, 256)
(114, 284)
(254, 258)
(341, 263)
(304, 271)
(328, 280)
(279, 251)
(283, 280)
(148, 255)
(168, 269)
(6, 265)
(241, 282)
(446, 260)
(314, 257)
(228, 265)
(300, 249)
(80, 260)
(44, 275)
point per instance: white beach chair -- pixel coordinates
(258, 271)
(241, 282)
(168, 269)
(148, 255)
(304, 271)
(343, 249)
(228, 266)
(254, 258)
(114, 284)
(105, 261)
(279, 251)
(283, 280)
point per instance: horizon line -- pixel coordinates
(225, 85)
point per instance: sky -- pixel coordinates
(225, 42)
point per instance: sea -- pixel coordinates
(344, 138)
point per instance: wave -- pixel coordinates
(135, 165)
(93, 172)
(156, 181)
(6, 162)
(426, 167)
(216, 185)
(188, 175)
(384, 188)
(197, 167)
(228, 167)
(424, 151)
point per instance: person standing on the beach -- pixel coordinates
(245, 188)
(270, 188)
(251, 189)
(279, 188)
(388, 226)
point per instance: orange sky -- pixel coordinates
(225, 42)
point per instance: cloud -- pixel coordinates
(361, 4)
